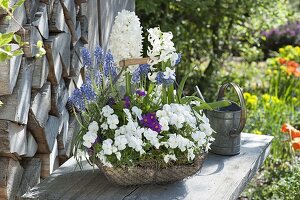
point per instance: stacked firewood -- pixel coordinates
(36, 129)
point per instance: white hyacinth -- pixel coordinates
(126, 38)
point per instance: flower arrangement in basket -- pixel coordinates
(135, 126)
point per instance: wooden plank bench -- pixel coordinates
(222, 177)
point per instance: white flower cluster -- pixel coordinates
(133, 136)
(90, 137)
(112, 119)
(162, 47)
(126, 37)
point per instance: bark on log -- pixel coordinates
(57, 22)
(41, 21)
(40, 72)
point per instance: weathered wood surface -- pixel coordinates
(41, 21)
(57, 22)
(31, 7)
(7, 25)
(13, 138)
(31, 175)
(76, 63)
(59, 98)
(83, 20)
(16, 105)
(70, 16)
(9, 70)
(32, 145)
(40, 72)
(222, 177)
(32, 36)
(10, 177)
(49, 161)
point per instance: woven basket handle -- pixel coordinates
(133, 61)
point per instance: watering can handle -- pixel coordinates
(238, 90)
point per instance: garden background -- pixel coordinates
(254, 43)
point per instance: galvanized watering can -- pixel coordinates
(228, 122)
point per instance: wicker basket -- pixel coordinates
(149, 174)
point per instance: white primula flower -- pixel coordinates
(169, 73)
(121, 142)
(93, 127)
(169, 157)
(128, 114)
(152, 76)
(112, 121)
(137, 112)
(107, 111)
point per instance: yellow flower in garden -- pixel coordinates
(283, 68)
(275, 72)
(252, 100)
(269, 72)
(266, 97)
(275, 100)
(257, 132)
(289, 47)
(247, 95)
(294, 100)
(281, 50)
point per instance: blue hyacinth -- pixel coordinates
(86, 57)
(144, 69)
(77, 99)
(136, 76)
(161, 80)
(94, 77)
(99, 55)
(108, 66)
(178, 59)
(88, 92)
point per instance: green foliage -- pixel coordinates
(210, 31)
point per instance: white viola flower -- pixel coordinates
(108, 148)
(191, 154)
(128, 114)
(87, 144)
(172, 141)
(155, 142)
(121, 130)
(150, 134)
(104, 126)
(136, 143)
(103, 159)
(182, 142)
(206, 129)
(198, 135)
(107, 111)
(89, 138)
(126, 38)
(161, 114)
(93, 126)
(118, 155)
(113, 121)
(169, 73)
(152, 76)
(164, 123)
(137, 112)
(131, 127)
(167, 108)
(121, 142)
(169, 157)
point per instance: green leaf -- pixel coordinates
(8, 53)
(181, 85)
(4, 4)
(18, 39)
(18, 52)
(6, 38)
(3, 56)
(18, 4)
(213, 105)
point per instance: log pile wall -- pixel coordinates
(36, 129)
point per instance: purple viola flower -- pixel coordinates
(127, 102)
(86, 57)
(140, 93)
(150, 120)
(111, 101)
(99, 55)
(144, 69)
